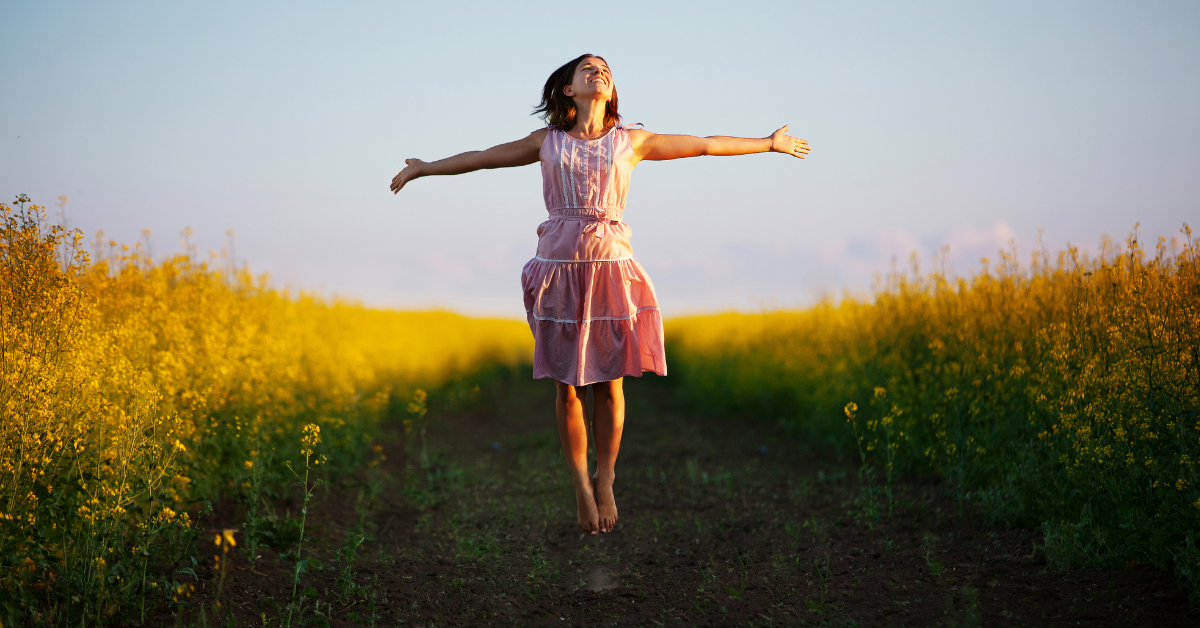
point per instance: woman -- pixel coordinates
(591, 307)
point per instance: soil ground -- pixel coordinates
(723, 522)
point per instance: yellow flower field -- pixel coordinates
(1064, 392)
(132, 390)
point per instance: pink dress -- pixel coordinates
(591, 307)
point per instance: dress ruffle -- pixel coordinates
(592, 321)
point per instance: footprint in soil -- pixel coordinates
(602, 579)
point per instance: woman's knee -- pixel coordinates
(566, 392)
(608, 390)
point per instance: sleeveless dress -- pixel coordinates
(591, 307)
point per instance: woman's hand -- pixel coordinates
(412, 170)
(781, 142)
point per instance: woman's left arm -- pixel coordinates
(647, 145)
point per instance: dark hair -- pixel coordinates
(558, 110)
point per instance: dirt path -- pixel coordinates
(722, 522)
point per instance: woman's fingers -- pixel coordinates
(398, 181)
(799, 147)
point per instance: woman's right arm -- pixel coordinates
(519, 153)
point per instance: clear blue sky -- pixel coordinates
(960, 123)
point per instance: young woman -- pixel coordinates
(591, 307)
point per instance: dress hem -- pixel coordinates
(639, 374)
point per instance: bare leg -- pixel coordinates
(608, 421)
(572, 431)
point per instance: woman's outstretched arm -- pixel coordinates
(647, 145)
(519, 153)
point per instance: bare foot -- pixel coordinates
(585, 501)
(606, 504)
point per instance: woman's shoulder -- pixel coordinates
(538, 137)
(637, 136)
(636, 131)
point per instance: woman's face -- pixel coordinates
(592, 81)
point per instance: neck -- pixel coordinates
(589, 118)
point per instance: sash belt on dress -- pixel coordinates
(596, 225)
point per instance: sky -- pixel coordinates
(973, 125)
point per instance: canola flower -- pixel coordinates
(1063, 393)
(131, 388)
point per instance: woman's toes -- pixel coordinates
(588, 517)
(606, 507)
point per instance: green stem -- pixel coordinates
(300, 544)
(144, 561)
